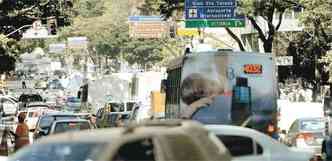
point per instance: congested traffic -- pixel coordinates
(165, 80)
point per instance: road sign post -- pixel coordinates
(212, 13)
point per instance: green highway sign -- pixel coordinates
(214, 23)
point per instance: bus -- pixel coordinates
(241, 87)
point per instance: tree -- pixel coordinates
(145, 53)
(256, 11)
(108, 34)
(17, 13)
(317, 21)
(9, 50)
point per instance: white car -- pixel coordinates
(9, 105)
(250, 145)
(62, 126)
(33, 114)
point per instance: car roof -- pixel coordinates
(37, 103)
(57, 113)
(70, 120)
(111, 134)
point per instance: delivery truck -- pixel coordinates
(241, 87)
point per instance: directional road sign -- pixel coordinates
(212, 13)
(147, 27)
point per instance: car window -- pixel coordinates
(61, 127)
(45, 122)
(181, 148)
(140, 150)
(130, 106)
(5, 100)
(240, 145)
(312, 125)
(61, 151)
(116, 107)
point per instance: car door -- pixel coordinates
(138, 149)
(243, 148)
(181, 147)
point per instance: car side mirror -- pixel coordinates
(164, 85)
(43, 132)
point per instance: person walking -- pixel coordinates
(24, 86)
(327, 143)
(21, 133)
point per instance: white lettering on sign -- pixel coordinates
(212, 4)
(198, 4)
(284, 61)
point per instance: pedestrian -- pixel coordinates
(327, 142)
(21, 133)
(24, 86)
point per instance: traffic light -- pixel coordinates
(52, 25)
(84, 97)
(52, 29)
(172, 31)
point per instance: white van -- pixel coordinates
(10, 106)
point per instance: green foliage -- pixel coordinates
(150, 7)
(145, 53)
(17, 13)
(252, 9)
(89, 8)
(9, 46)
(108, 34)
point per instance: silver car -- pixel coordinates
(157, 141)
(62, 126)
(307, 134)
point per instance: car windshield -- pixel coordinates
(312, 125)
(30, 98)
(61, 127)
(73, 100)
(60, 152)
(116, 107)
(46, 122)
(130, 106)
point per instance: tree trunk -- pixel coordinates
(268, 44)
(236, 38)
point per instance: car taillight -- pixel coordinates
(307, 137)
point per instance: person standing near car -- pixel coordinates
(327, 143)
(24, 86)
(21, 133)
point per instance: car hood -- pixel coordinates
(292, 155)
(300, 154)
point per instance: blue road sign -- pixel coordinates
(212, 13)
(198, 11)
(210, 3)
(145, 18)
